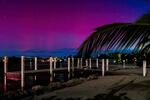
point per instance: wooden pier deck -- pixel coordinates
(16, 75)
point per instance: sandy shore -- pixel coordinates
(139, 89)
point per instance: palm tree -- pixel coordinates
(119, 37)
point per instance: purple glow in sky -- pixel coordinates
(57, 24)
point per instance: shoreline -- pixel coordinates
(128, 86)
(41, 90)
(85, 88)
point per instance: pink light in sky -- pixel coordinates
(56, 24)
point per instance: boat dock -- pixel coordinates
(72, 65)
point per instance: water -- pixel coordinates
(42, 78)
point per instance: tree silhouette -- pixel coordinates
(119, 37)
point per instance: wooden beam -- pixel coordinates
(86, 61)
(103, 67)
(51, 68)
(124, 64)
(5, 72)
(97, 64)
(107, 64)
(78, 62)
(90, 63)
(72, 64)
(35, 67)
(55, 61)
(22, 72)
(69, 68)
(81, 60)
(144, 67)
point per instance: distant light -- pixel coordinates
(114, 61)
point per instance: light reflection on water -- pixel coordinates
(42, 79)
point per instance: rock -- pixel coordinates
(92, 77)
(37, 87)
(73, 82)
(56, 85)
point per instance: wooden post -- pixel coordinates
(124, 63)
(107, 64)
(86, 61)
(81, 63)
(97, 62)
(5, 72)
(144, 67)
(103, 67)
(35, 67)
(22, 72)
(55, 61)
(30, 64)
(51, 68)
(72, 66)
(31, 77)
(78, 62)
(90, 64)
(68, 68)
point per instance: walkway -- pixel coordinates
(138, 90)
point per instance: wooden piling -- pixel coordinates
(22, 72)
(35, 67)
(69, 68)
(90, 64)
(72, 64)
(78, 63)
(55, 62)
(107, 64)
(30, 64)
(103, 67)
(86, 62)
(144, 67)
(51, 68)
(97, 62)
(81, 63)
(5, 71)
(124, 66)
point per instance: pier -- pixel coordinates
(71, 65)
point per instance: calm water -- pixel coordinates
(42, 78)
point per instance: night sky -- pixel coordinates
(51, 25)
